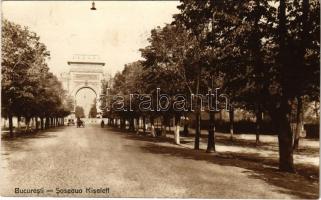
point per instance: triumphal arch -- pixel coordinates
(85, 71)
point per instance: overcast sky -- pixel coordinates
(115, 31)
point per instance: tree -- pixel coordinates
(79, 112)
(16, 53)
(69, 103)
(170, 62)
(28, 88)
(292, 66)
(261, 55)
(93, 110)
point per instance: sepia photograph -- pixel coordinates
(203, 99)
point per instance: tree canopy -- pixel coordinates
(28, 88)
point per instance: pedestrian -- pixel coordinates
(102, 124)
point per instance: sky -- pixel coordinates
(115, 31)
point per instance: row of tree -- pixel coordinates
(263, 54)
(28, 89)
(80, 112)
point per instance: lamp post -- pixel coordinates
(93, 6)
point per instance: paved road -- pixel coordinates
(130, 166)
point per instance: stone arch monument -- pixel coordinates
(85, 71)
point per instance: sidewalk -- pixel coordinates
(243, 146)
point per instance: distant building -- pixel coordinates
(84, 71)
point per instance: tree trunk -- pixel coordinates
(46, 123)
(211, 133)
(37, 125)
(125, 123)
(316, 110)
(152, 131)
(197, 130)
(283, 128)
(10, 126)
(198, 113)
(144, 124)
(170, 124)
(163, 127)
(258, 123)
(4, 123)
(285, 145)
(185, 131)
(137, 125)
(49, 122)
(41, 123)
(302, 51)
(121, 123)
(131, 124)
(32, 123)
(281, 116)
(231, 115)
(177, 129)
(299, 124)
(18, 122)
(27, 123)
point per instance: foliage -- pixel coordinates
(93, 110)
(27, 87)
(79, 112)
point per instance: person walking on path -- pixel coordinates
(102, 124)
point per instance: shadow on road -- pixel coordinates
(20, 141)
(35, 134)
(293, 184)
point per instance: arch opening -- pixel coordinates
(85, 102)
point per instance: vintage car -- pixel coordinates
(70, 122)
